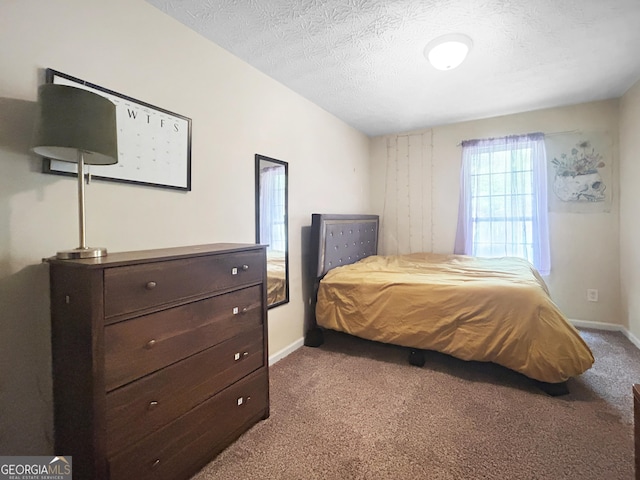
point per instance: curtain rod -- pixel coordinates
(551, 134)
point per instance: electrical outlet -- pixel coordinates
(592, 294)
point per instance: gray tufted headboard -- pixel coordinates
(342, 239)
(336, 240)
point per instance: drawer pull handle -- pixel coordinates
(156, 463)
(150, 344)
(151, 285)
(152, 405)
(239, 356)
(234, 270)
(236, 310)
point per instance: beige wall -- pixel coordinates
(630, 208)
(415, 187)
(132, 48)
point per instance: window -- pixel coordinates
(503, 200)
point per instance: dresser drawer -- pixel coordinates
(137, 287)
(142, 345)
(181, 448)
(141, 407)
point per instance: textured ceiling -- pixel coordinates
(362, 60)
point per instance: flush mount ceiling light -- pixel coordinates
(448, 51)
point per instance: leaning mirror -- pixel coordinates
(272, 225)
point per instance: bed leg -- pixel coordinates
(416, 357)
(553, 389)
(314, 337)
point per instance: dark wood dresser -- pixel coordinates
(159, 358)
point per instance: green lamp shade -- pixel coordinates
(70, 120)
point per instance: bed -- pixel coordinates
(491, 310)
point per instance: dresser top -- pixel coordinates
(163, 254)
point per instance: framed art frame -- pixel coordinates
(154, 145)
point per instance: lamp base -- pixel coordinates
(87, 252)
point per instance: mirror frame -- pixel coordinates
(258, 160)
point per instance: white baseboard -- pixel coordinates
(276, 357)
(596, 325)
(632, 338)
(606, 326)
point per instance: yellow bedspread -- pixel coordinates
(495, 310)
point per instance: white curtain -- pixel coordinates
(503, 200)
(272, 208)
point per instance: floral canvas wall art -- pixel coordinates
(579, 172)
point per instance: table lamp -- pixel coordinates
(78, 126)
